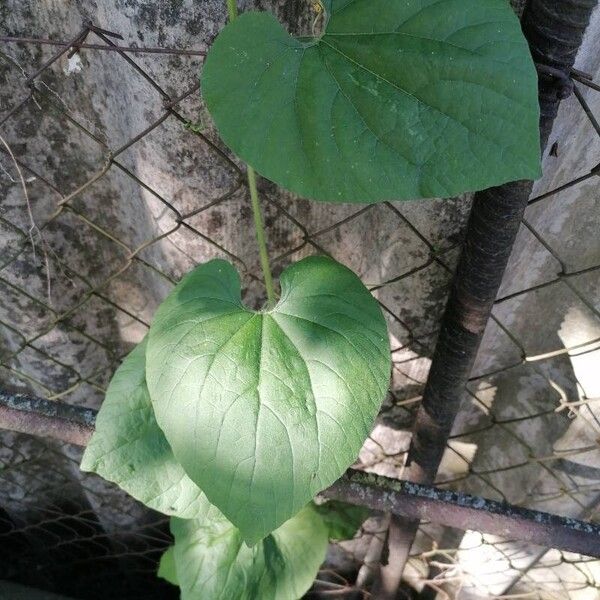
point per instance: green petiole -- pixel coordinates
(258, 222)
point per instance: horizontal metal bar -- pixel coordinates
(75, 425)
(463, 511)
(47, 418)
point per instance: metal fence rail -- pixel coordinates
(88, 537)
(75, 425)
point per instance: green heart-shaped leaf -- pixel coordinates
(129, 449)
(398, 99)
(265, 409)
(213, 562)
(166, 566)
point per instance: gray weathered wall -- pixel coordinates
(73, 302)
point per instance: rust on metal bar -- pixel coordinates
(75, 425)
(463, 511)
(46, 418)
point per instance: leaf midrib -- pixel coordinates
(416, 37)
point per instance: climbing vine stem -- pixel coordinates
(232, 9)
(260, 237)
(258, 222)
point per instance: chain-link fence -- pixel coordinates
(114, 184)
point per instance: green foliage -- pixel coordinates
(231, 420)
(213, 562)
(166, 567)
(265, 409)
(198, 127)
(129, 449)
(343, 520)
(396, 99)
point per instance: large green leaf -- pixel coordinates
(398, 99)
(166, 566)
(214, 563)
(129, 449)
(265, 409)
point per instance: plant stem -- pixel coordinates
(260, 237)
(232, 9)
(258, 222)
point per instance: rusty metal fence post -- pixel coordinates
(554, 31)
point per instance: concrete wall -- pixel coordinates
(76, 286)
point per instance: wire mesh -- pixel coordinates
(93, 236)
